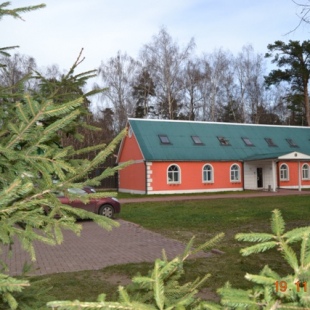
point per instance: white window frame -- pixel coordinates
(205, 180)
(234, 174)
(176, 172)
(305, 170)
(284, 172)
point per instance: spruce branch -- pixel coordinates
(160, 289)
(266, 293)
(277, 223)
(15, 13)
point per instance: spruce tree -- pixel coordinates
(271, 290)
(33, 166)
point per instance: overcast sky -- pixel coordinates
(55, 34)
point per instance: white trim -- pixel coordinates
(189, 191)
(302, 172)
(239, 174)
(288, 172)
(294, 186)
(179, 176)
(274, 175)
(129, 132)
(220, 123)
(138, 161)
(149, 179)
(212, 174)
(130, 191)
(295, 155)
(123, 141)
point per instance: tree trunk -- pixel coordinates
(306, 103)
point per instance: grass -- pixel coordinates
(204, 219)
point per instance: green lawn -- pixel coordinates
(204, 219)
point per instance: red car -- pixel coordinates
(107, 206)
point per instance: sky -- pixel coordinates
(56, 34)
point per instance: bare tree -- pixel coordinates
(304, 6)
(249, 71)
(165, 60)
(217, 73)
(14, 69)
(192, 98)
(118, 75)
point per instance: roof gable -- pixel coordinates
(219, 141)
(295, 155)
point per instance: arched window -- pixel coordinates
(234, 173)
(305, 172)
(207, 174)
(284, 175)
(174, 174)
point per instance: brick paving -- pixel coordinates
(97, 248)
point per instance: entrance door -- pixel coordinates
(259, 177)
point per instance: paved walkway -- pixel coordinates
(97, 248)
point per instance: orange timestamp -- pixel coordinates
(282, 286)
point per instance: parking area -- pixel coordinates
(96, 248)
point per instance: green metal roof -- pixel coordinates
(183, 148)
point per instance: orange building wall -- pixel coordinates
(151, 177)
(130, 150)
(293, 175)
(191, 177)
(131, 178)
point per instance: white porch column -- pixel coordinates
(274, 176)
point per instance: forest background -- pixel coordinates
(169, 81)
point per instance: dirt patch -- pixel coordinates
(117, 279)
(207, 294)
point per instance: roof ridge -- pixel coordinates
(215, 123)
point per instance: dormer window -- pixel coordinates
(247, 142)
(164, 139)
(223, 141)
(270, 142)
(291, 142)
(197, 140)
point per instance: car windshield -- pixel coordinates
(77, 191)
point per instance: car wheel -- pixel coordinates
(107, 210)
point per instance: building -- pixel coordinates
(191, 157)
